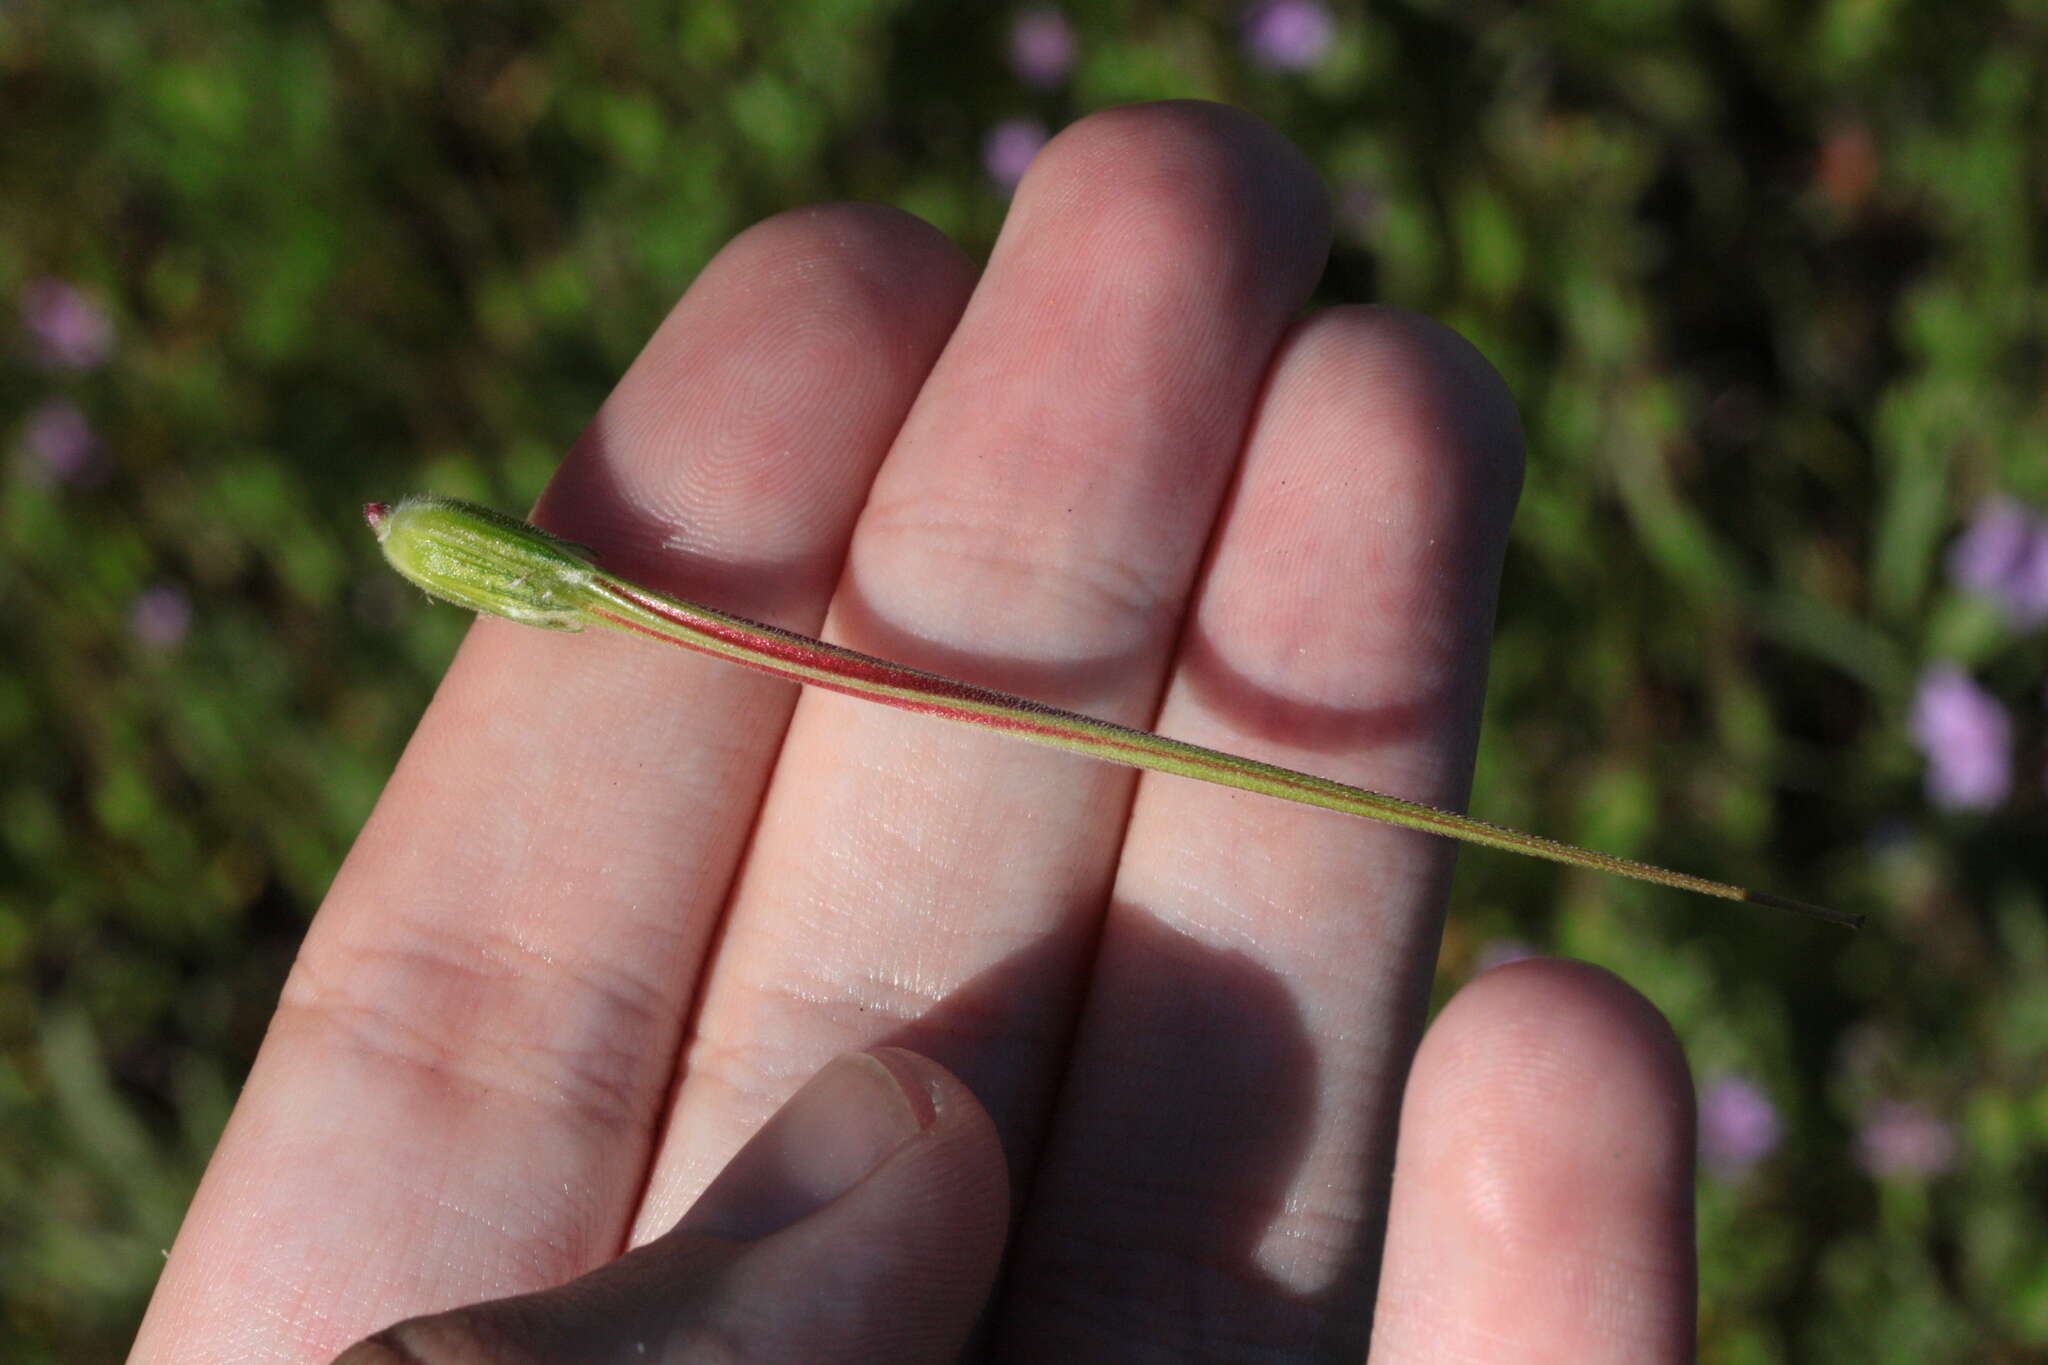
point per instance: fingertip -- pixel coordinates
(1101, 147)
(966, 1164)
(900, 1266)
(1576, 1021)
(931, 1090)
(884, 1149)
(745, 434)
(1555, 1082)
(1422, 393)
(834, 1132)
(1173, 189)
(1544, 1175)
(899, 266)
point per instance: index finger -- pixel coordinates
(459, 1091)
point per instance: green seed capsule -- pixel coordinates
(484, 560)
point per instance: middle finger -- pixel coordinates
(1036, 528)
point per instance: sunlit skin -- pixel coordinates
(491, 563)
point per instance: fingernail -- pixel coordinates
(853, 1116)
(846, 1121)
(910, 1074)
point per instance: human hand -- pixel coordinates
(617, 904)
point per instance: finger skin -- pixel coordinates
(1215, 1186)
(1035, 529)
(891, 1267)
(461, 1086)
(1543, 1197)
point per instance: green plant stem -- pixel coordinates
(495, 564)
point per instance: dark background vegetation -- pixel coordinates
(1766, 277)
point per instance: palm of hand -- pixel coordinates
(618, 904)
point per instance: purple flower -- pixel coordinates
(1967, 738)
(2003, 554)
(1009, 147)
(62, 443)
(1738, 1126)
(160, 617)
(69, 330)
(1898, 1138)
(1288, 35)
(1041, 47)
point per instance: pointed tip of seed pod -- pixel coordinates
(378, 514)
(1820, 912)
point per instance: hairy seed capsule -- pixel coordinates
(484, 560)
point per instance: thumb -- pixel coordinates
(863, 1222)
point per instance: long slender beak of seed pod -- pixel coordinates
(489, 562)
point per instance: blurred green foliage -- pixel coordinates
(1768, 279)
